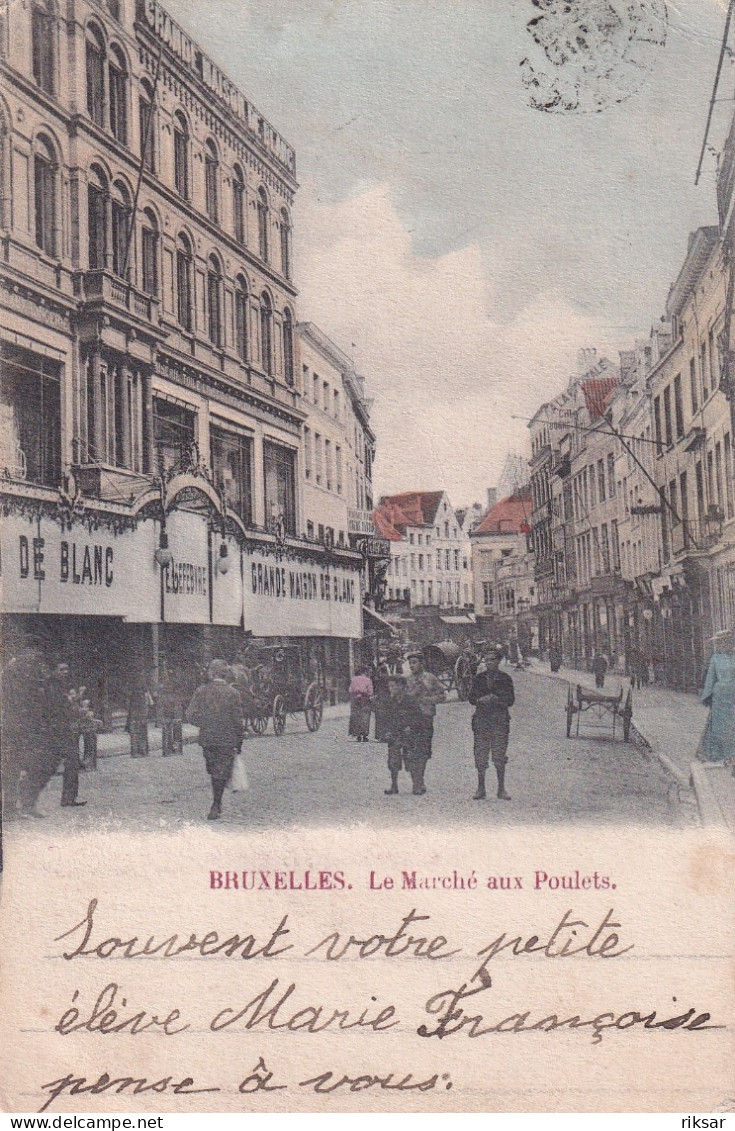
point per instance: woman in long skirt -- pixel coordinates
(719, 695)
(361, 694)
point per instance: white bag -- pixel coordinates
(239, 780)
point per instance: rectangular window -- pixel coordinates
(183, 290)
(605, 547)
(693, 391)
(280, 484)
(447, 560)
(30, 408)
(714, 369)
(729, 477)
(328, 463)
(181, 163)
(338, 461)
(96, 227)
(668, 431)
(704, 371)
(44, 188)
(678, 407)
(325, 399)
(149, 256)
(95, 84)
(173, 431)
(308, 454)
(318, 457)
(43, 49)
(718, 472)
(231, 454)
(147, 141)
(118, 105)
(120, 216)
(601, 480)
(699, 475)
(456, 560)
(657, 424)
(593, 492)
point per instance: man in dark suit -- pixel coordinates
(492, 695)
(217, 711)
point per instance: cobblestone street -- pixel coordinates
(327, 778)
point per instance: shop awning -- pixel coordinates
(373, 620)
(466, 618)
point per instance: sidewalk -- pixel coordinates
(670, 724)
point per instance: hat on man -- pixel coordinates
(218, 669)
(414, 654)
(494, 650)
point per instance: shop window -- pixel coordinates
(174, 432)
(231, 454)
(214, 301)
(118, 86)
(120, 217)
(146, 123)
(238, 204)
(97, 198)
(183, 283)
(287, 330)
(42, 43)
(280, 480)
(149, 253)
(44, 176)
(95, 58)
(285, 244)
(30, 417)
(241, 318)
(211, 181)
(266, 333)
(181, 155)
(263, 224)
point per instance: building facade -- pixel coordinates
(505, 597)
(152, 406)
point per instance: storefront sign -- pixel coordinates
(44, 569)
(374, 548)
(186, 580)
(288, 598)
(360, 522)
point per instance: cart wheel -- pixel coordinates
(259, 723)
(313, 706)
(570, 711)
(279, 715)
(627, 715)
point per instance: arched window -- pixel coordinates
(241, 318)
(118, 86)
(97, 198)
(149, 253)
(285, 244)
(146, 123)
(44, 177)
(42, 42)
(266, 332)
(181, 155)
(238, 204)
(95, 55)
(214, 300)
(263, 224)
(211, 181)
(121, 233)
(288, 368)
(183, 282)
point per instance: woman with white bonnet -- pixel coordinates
(719, 695)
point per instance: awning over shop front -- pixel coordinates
(374, 621)
(465, 618)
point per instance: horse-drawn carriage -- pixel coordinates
(275, 682)
(601, 712)
(452, 666)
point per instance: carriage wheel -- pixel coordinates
(627, 715)
(259, 723)
(570, 710)
(313, 706)
(279, 715)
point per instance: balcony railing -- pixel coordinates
(694, 537)
(104, 287)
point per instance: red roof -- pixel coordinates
(507, 516)
(385, 527)
(596, 393)
(418, 508)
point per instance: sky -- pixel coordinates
(461, 244)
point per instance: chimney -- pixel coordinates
(492, 497)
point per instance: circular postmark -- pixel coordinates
(588, 55)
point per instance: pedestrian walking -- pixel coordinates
(396, 728)
(62, 731)
(719, 695)
(424, 692)
(216, 709)
(361, 694)
(492, 696)
(599, 667)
